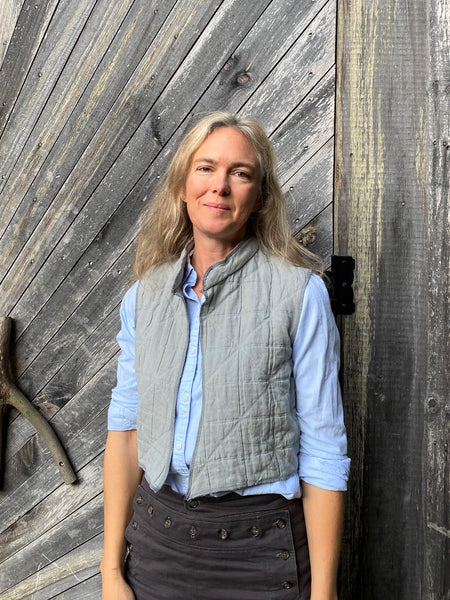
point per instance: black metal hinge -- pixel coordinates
(341, 277)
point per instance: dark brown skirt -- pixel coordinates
(228, 548)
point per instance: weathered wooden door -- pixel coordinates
(392, 215)
(95, 96)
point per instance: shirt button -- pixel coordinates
(185, 398)
(224, 534)
(178, 446)
(192, 351)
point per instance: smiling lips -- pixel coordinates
(219, 207)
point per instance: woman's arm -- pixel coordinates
(323, 517)
(120, 480)
(323, 463)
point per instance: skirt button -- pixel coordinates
(224, 534)
(280, 524)
(168, 523)
(150, 510)
(193, 531)
(287, 585)
(139, 499)
(256, 531)
(284, 555)
(134, 525)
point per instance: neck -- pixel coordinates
(209, 252)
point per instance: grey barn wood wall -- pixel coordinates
(94, 97)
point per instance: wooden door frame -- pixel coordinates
(391, 215)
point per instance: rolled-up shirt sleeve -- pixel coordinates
(323, 457)
(124, 397)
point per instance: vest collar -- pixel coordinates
(216, 273)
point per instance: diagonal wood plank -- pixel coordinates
(75, 530)
(129, 110)
(52, 509)
(29, 32)
(89, 589)
(73, 568)
(64, 29)
(95, 74)
(9, 13)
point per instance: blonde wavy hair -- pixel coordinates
(166, 227)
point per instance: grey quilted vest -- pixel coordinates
(249, 432)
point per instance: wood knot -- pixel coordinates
(243, 78)
(308, 235)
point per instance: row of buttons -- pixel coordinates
(223, 533)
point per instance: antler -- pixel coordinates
(10, 394)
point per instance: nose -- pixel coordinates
(221, 185)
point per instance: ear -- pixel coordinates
(182, 193)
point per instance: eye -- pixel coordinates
(204, 169)
(242, 174)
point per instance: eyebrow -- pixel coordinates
(211, 161)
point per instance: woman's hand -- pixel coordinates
(114, 587)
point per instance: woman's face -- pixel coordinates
(223, 187)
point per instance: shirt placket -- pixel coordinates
(183, 446)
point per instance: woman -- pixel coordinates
(237, 440)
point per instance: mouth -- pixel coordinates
(217, 207)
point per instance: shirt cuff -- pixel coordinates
(326, 473)
(120, 419)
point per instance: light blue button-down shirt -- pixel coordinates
(323, 445)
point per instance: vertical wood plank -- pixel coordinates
(437, 402)
(384, 180)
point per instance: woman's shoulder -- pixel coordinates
(285, 267)
(316, 288)
(128, 306)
